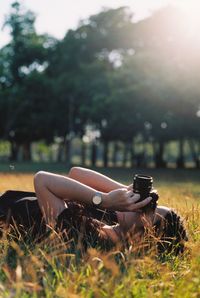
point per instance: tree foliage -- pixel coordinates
(125, 79)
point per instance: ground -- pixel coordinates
(44, 270)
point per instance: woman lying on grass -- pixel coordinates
(105, 212)
(93, 210)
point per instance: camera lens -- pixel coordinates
(142, 184)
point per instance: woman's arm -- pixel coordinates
(94, 179)
(52, 190)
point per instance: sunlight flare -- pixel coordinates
(191, 11)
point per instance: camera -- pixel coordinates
(143, 185)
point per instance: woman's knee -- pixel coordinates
(74, 171)
(40, 179)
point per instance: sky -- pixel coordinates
(56, 17)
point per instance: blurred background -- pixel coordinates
(115, 86)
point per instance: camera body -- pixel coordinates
(143, 185)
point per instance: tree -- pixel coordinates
(26, 57)
(81, 64)
(167, 66)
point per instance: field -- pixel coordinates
(45, 270)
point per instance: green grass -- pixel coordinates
(45, 269)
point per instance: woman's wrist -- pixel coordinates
(105, 201)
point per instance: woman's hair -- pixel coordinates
(171, 234)
(76, 224)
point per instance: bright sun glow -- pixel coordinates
(191, 9)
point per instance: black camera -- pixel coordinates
(143, 185)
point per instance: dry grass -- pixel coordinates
(16, 181)
(49, 270)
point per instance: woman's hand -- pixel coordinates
(130, 187)
(123, 200)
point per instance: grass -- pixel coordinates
(45, 269)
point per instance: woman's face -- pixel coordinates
(136, 221)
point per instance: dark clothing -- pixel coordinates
(84, 224)
(22, 205)
(21, 209)
(106, 216)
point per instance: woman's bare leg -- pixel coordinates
(98, 181)
(94, 179)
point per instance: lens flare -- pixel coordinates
(191, 9)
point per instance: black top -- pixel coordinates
(78, 221)
(106, 216)
(23, 209)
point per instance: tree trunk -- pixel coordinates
(83, 153)
(68, 153)
(114, 157)
(180, 159)
(198, 148)
(125, 154)
(60, 152)
(26, 151)
(194, 154)
(14, 151)
(132, 152)
(160, 162)
(105, 154)
(94, 154)
(154, 151)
